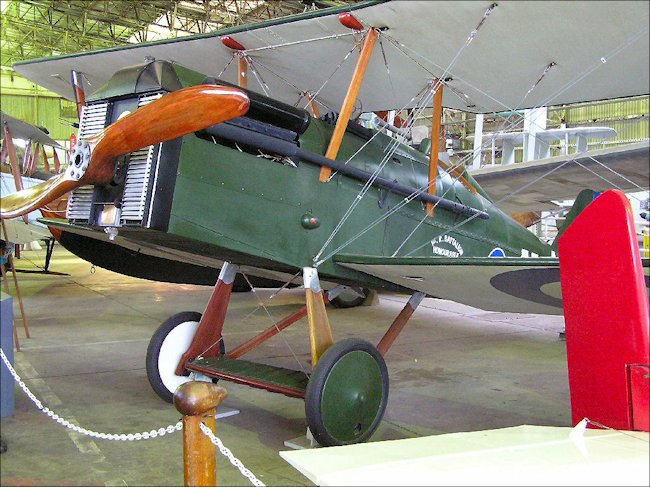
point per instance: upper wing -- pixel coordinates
(490, 58)
(518, 285)
(623, 167)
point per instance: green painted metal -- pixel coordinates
(239, 207)
(351, 396)
(260, 374)
(209, 191)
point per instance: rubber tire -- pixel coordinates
(318, 382)
(162, 377)
(350, 302)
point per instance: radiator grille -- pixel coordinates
(93, 121)
(137, 178)
(134, 200)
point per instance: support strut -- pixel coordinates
(400, 321)
(320, 333)
(349, 101)
(210, 327)
(276, 328)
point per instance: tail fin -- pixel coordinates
(584, 198)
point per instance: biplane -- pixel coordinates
(240, 150)
(18, 175)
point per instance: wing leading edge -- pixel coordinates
(504, 284)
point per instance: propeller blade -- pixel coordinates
(174, 115)
(26, 200)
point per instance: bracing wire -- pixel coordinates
(260, 303)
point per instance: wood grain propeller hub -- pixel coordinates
(93, 160)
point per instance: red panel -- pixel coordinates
(605, 309)
(640, 396)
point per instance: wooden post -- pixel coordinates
(197, 402)
(349, 101)
(436, 123)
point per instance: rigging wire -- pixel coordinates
(505, 198)
(402, 48)
(261, 303)
(393, 145)
(258, 76)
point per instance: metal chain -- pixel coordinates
(105, 436)
(228, 454)
(146, 435)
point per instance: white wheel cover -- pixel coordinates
(173, 347)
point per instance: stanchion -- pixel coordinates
(197, 402)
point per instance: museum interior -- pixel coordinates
(324, 242)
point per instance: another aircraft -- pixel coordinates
(28, 229)
(177, 164)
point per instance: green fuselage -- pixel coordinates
(258, 210)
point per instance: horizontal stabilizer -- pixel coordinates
(504, 284)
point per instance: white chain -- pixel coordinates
(131, 436)
(228, 454)
(105, 436)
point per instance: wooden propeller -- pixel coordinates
(93, 160)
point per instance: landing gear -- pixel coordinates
(167, 345)
(351, 297)
(347, 393)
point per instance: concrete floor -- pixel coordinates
(454, 368)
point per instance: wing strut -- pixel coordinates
(436, 123)
(242, 63)
(320, 333)
(46, 162)
(351, 95)
(13, 159)
(311, 99)
(79, 92)
(400, 322)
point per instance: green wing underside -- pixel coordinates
(504, 284)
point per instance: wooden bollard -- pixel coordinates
(197, 401)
